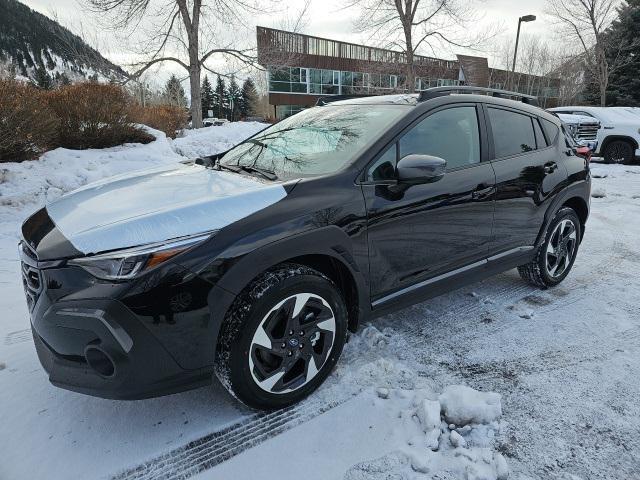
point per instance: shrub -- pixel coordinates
(94, 115)
(166, 118)
(27, 126)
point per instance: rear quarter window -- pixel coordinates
(551, 130)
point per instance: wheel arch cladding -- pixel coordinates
(339, 274)
(578, 205)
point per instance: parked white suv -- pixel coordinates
(584, 129)
(619, 135)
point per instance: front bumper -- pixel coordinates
(99, 348)
(89, 341)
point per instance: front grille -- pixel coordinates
(32, 282)
(31, 276)
(587, 131)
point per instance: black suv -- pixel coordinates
(255, 263)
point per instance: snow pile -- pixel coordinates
(442, 433)
(429, 447)
(33, 183)
(463, 405)
(211, 140)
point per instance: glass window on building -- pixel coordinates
(448, 82)
(347, 79)
(284, 111)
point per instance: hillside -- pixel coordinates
(31, 44)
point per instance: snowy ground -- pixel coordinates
(563, 364)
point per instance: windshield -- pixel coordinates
(316, 141)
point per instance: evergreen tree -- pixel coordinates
(174, 93)
(248, 98)
(220, 99)
(233, 97)
(62, 80)
(624, 83)
(42, 79)
(208, 100)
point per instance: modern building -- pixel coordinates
(302, 68)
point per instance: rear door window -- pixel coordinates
(512, 132)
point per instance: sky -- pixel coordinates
(325, 18)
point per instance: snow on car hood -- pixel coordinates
(159, 204)
(574, 119)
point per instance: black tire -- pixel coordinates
(618, 151)
(241, 361)
(540, 271)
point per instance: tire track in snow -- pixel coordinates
(212, 449)
(19, 336)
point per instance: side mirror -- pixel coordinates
(415, 169)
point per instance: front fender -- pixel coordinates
(330, 241)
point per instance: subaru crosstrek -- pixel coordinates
(255, 263)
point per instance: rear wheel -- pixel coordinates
(281, 337)
(555, 257)
(618, 151)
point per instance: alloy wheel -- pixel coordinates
(561, 248)
(617, 152)
(292, 343)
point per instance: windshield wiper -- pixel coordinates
(268, 174)
(222, 166)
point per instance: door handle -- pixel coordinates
(550, 167)
(482, 191)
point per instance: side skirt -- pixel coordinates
(452, 280)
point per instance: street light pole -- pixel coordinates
(525, 18)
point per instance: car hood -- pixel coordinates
(573, 119)
(155, 205)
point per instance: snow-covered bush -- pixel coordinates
(27, 126)
(94, 115)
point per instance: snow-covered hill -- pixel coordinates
(32, 44)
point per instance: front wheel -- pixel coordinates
(555, 257)
(618, 151)
(281, 337)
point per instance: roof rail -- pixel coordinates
(434, 92)
(335, 98)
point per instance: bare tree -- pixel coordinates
(414, 25)
(584, 22)
(182, 32)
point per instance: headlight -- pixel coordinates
(126, 264)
